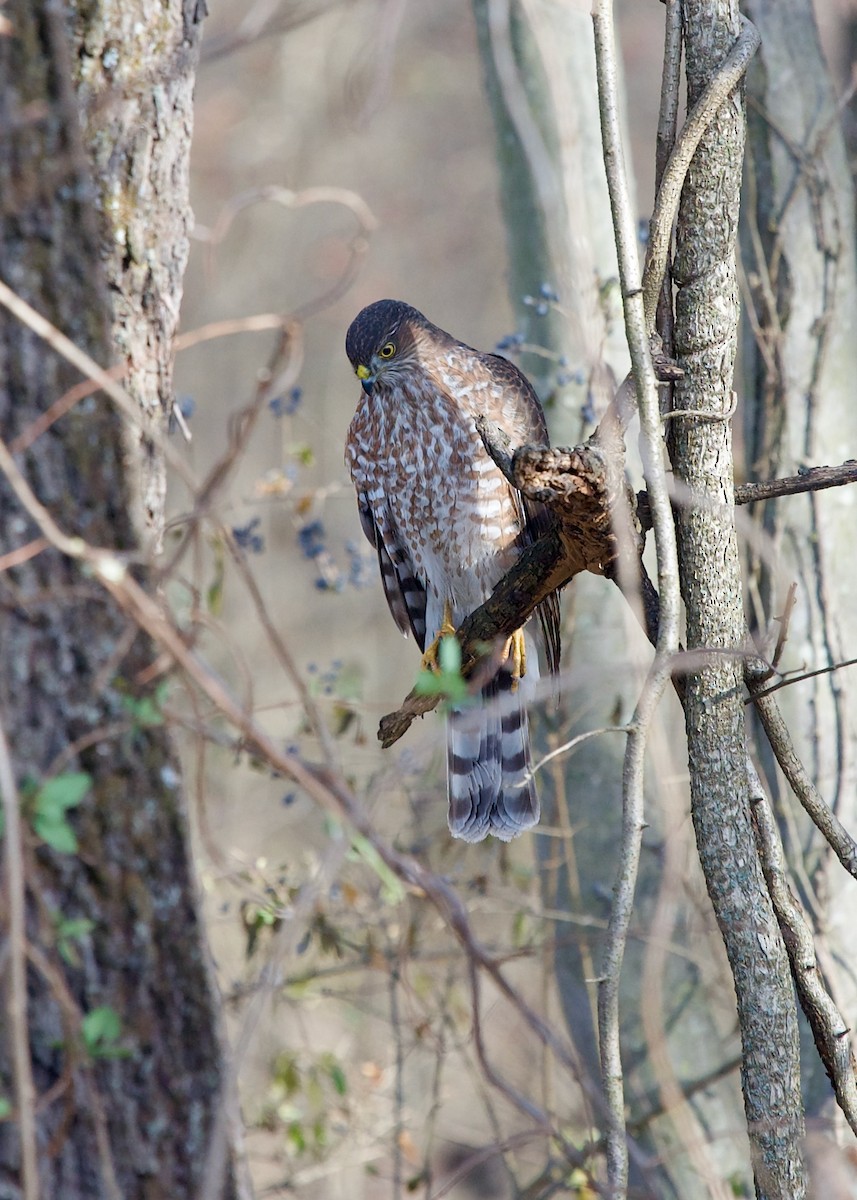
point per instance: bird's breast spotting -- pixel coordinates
(416, 455)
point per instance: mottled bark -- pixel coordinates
(800, 359)
(93, 235)
(581, 792)
(705, 342)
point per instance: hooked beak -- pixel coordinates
(366, 378)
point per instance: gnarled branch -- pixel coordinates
(581, 486)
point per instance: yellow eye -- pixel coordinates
(387, 350)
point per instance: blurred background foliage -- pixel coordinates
(348, 999)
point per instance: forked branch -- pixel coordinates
(829, 1030)
(579, 485)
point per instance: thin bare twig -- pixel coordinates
(813, 479)
(787, 681)
(698, 415)
(88, 367)
(784, 620)
(19, 1031)
(483, 1155)
(23, 554)
(829, 1030)
(515, 1097)
(667, 641)
(265, 18)
(358, 243)
(66, 402)
(672, 1095)
(574, 742)
(258, 323)
(777, 731)
(97, 378)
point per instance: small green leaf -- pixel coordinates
(361, 848)
(447, 682)
(296, 1136)
(56, 833)
(100, 1030)
(67, 932)
(449, 656)
(75, 927)
(214, 597)
(450, 685)
(52, 801)
(287, 1073)
(319, 1132)
(337, 1078)
(519, 929)
(214, 594)
(144, 711)
(63, 792)
(149, 713)
(428, 684)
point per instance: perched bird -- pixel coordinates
(447, 526)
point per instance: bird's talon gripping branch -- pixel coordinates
(431, 660)
(515, 654)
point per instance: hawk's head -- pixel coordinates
(382, 341)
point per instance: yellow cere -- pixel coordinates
(363, 372)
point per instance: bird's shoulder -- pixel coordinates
(519, 396)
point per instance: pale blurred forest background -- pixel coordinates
(360, 1070)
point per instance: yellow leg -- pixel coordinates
(447, 629)
(516, 650)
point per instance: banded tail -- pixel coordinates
(488, 765)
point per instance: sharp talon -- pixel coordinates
(429, 659)
(516, 651)
(447, 629)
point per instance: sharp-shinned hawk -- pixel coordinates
(447, 526)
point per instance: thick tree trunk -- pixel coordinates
(800, 360)
(581, 793)
(705, 341)
(93, 235)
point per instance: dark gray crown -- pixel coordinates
(376, 324)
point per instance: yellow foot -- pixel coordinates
(447, 629)
(516, 651)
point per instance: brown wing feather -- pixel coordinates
(530, 428)
(529, 413)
